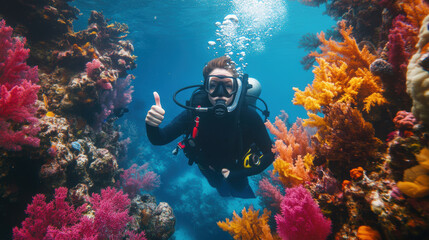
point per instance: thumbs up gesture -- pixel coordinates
(156, 113)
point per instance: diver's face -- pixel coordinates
(227, 82)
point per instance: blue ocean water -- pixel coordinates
(171, 38)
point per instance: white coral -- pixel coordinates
(418, 77)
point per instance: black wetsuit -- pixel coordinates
(222, 143)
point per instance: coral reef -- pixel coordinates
(417, 76)
(157, 221)
(358, 87)
(67, 130)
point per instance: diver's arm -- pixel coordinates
(263, 142)
(177, 127)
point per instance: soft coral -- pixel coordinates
(18, 93)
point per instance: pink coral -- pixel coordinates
(270, 194)
(92, 66)
(18, 93)
(59, 220)
(135, 179)
(55, 214)
(402, 39)
(111, 213)
(404, 120)
(293, 150)
(301, 217)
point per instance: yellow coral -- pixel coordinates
(347, 51)
(416, 179)
(334, 83)
(250, 226)
(343, 75)
(293, 174)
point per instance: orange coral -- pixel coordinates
(356, 173)
(415, 10)
(345, 140)
(250, 226)
(346, 183)
(367, 233)
(293, 150)
(343, 75)
(347, 51)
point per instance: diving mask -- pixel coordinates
(221, 86)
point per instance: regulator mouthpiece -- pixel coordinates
(220, 108)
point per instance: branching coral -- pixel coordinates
(402, 39)
(345, 140)
(347, 51)
(134, 179)
(416, 11)
(248, 227)
(270, 194)
(60, 220)
(18, 93)
(294, 152)
(343, 75)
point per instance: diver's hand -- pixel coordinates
(225, 172)
(156, 113)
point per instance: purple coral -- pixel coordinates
(18, 93)
(270, 194)
(301, 217)
(135, 179)
(401, 36)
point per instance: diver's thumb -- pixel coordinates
(157, 99)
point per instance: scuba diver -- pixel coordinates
(223, 133)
